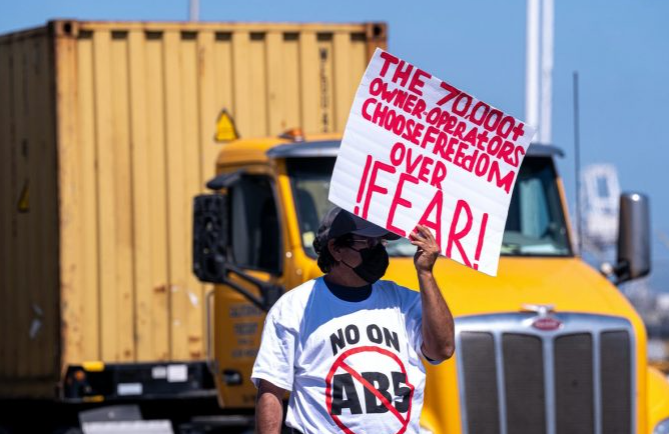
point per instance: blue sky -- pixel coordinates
(620, 49)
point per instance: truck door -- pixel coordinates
(247, 273)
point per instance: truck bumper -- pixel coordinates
(96, 382)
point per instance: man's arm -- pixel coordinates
(269, 408)
(438, 327)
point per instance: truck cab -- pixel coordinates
(548, 346)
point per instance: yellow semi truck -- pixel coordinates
(548, 346)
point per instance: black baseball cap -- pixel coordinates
(338, 222)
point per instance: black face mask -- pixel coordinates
(374, 263)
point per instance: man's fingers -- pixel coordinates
(425, 232)
(418, 236)
(418, 240)
(424, 236)
(426, 246)
(430, 236)
(418, 243)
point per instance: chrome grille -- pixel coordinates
(515, 379)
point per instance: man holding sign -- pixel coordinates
(349, 346)
(420, 159)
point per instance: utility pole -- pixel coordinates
(577, 167)
(546, 71)
(539, 68)
(532, 64)
(194, 10)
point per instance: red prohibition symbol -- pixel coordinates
(341, 363)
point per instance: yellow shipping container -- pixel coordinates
(106, 134)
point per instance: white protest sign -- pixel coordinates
(417, 150)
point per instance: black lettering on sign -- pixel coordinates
(337, 341)
(400, 378)
(380, 382)
(348, 336)
(374, 333)
(345, 395)
(352, 335)
(342, 384)
(391, 339)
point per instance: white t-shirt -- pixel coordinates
(351, 367)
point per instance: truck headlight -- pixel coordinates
(662, 427)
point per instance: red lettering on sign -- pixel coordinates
(379, 114)
(397, 153)
(425, 168)
(376, 87)
(518, 131)
(402, 75)
(438, 175)
(469, 160)
(496, 116)
(429, 136)
(433, 115)
(461, 109)
(395, 122)
(413, 132)
(482, 164)
(481, 139)
(459, 130)
(517, 155)
(506, 151)
(418, 110)
(363, 181)
(440, 144)
(496, 175)
(450, 124)
(477, 115)
(479, 245)
(454, 236)
(388, 60)
(373, 186)
(399, 200)
(494, 145)
(471, 136)
(451, 92)
(366, 104)
(505, 127)
(460, 154)
(443, 119)
(416, 81)
(436, 204)
(412, 164)
(452, 142)
(409, 103)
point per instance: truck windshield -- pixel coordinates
(535, 225)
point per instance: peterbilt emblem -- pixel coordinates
(543, 321)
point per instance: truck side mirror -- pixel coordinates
(210, 237)
(633, 237)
